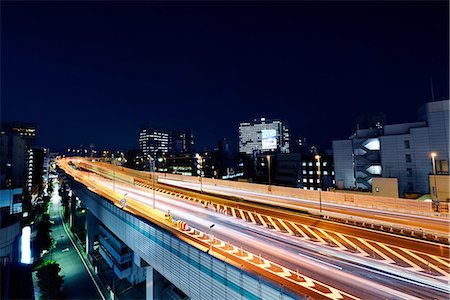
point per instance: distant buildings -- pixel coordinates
(263, 135)
(27, 131)
(400, 151)
(153, 142)
(181, 141)
(12, 160)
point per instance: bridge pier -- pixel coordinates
(153, 284)
(91, 226)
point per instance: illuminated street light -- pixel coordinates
(268, 166)
(200, 159)
(317, 157)
(152, 161)
(211, 237)
(435, 194)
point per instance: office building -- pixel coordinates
(153, 142)
(27, 131)
(181, 141)
(34, 169)
(401, 151)
(12, 162)
(263, 135)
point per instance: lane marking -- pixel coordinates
(242, 215)
(285, 226)
(361, 251)
(273, 223)
(314, 234)
(251, 217)
(413, 265)
(233, 212)
(299, 230)
(386, 258)
(427, 263)
(440, 260)
(262, 220)
(340, 246)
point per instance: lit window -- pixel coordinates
(311, 180)
(305, 180)
(325, 172)
(372, 144)
(304, 163)
(311, 172)
(304, 171)
(310, 164)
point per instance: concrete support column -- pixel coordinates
(154, 284)
(73, 209)
(91, 231)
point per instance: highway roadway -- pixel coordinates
(366, 280)
(437, 224)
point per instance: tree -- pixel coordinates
(49, 280)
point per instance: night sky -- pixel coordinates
(93, 72)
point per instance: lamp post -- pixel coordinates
(200, 158)
(435, 194)
(150, 161)
(210, 237)
(317, 157)
(268, 166)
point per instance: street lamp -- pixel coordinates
(436, 200)
(200, 158)
(317, 157)
(211, 237)
(151, 160)
(268, 166)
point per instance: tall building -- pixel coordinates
(12, 162)
(27, 131)
(153, 142)
(263, 135)
(401, 151)
(34, 169)
(181, 141)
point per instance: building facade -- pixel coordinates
(154, 142)
(263, 135)
(401, 151)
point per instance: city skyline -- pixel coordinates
(164, 66)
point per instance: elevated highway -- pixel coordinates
(371, 270)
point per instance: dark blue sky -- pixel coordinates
(95, 71)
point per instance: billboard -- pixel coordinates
(269, 139)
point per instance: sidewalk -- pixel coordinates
(78, 283)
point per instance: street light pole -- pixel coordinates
(268, 165)
(436, 199)
(210, 237)
(151, 160)
(317, 157)
(201, 173)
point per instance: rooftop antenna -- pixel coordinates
(432, 90)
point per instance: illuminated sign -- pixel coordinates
(269, 139)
